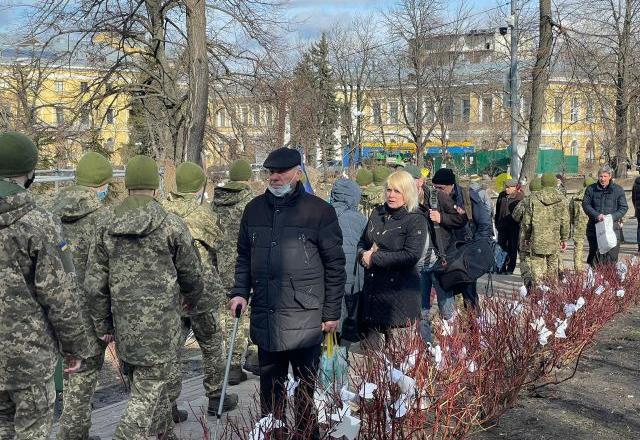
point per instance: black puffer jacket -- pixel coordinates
(635, 196)
(290, 255)
(391, 294)
(598, 200)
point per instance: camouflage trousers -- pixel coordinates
(27, 414)
(148, 410)
(541, 266)
(525, 270)
(75, 419)
(206, 331)
(579, 237)
(242, 338)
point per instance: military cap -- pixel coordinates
(142, 173)
(588, 180)
(535, 185)
(413, 170)
(240, 171)
(282, 159)
(364, 177)
(380, 174)
(93, 170)
(549, 180)
(190, 177)
(444, 176)
(18, 154)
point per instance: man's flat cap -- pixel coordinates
(282, 159)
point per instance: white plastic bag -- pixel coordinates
(607, 239)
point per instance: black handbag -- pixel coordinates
(351, 328)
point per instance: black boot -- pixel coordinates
(178, 415)
(230, 402)
(251, 364)
(236, 375)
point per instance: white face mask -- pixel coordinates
(283, 190)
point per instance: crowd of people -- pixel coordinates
(143, 273)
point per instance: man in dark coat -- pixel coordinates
(600, 199)
(508, 228)
(635, 199)
(291, 264)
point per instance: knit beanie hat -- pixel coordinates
(93, 170)
(190, 178)
(549, 180)
(535, 185)
(444, 176)
(589, 181)
(142, 173)
(364, 177)
(240, 171)
(18, 154)
(380, 174)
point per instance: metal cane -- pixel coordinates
(226, 370)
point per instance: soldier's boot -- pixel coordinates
(230, 402)
(236, 375)
(251, 364)
(178, 415)
(168, 435)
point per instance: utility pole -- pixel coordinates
(516, 160)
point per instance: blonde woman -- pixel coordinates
(389, 249)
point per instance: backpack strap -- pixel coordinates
(468, 206)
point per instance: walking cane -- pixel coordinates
(226, 370)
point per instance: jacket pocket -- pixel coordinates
(304, 295)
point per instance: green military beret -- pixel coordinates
(549, 180)
(93, 170)
(240, 171)
(364, 177)
(18, 154)
(413, 170)
(588, 180)
(142, 173)
(380, 174)
(536, 184)
(190, 177)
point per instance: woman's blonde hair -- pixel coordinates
(404, 183)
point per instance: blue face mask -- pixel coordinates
(103, 194)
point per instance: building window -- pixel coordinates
(85, 119)
(487, 109)
(448, 111)
(59, 116)
(377, 113)
(109, 87)
(574, 147)
(411, 112)
(269, 116)
(557, 110)
(244, 115)
(590, 152)
(575, 109)
(429, 112)
(256, 116)
(222, 118)
(84, 86)
(589, 113)
(59, 86)
(466, 110)
(393, 113)
(109, 116)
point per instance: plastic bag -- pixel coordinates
(605, 234)
(334, 369)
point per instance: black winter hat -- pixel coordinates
(444, 176)
(282, 159)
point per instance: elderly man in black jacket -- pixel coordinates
(292, 266)
(602, 198)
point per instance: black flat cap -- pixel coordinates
(282, 159)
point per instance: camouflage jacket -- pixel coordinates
(372, 196)
(141, 260)
(79, 210)
(546, 223)
(522, 209)
(203, 225)
(579, 218)
(229, 202)
(39, 313)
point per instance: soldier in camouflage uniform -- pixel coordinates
(524, 207)
(228, 204)
(39, 313)
(142, 264)
(80, 207)
(546, 229)
(579, 222)
(373, 195)
(187, 203)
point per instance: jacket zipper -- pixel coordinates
(303, 238)
(392, 229)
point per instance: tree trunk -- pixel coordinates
(622, 93)
(538, 88)
(198, 80)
